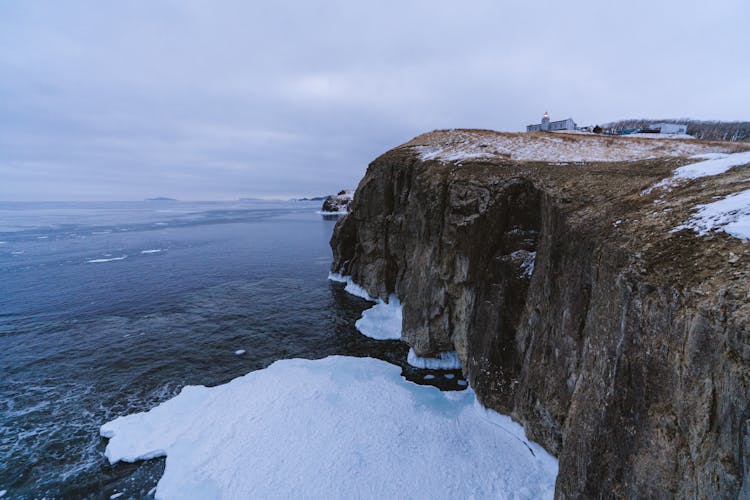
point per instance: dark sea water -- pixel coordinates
(111, 308)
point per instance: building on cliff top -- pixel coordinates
(548, 126)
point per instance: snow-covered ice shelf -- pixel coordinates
(339, 427)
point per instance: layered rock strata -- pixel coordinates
(621, 345)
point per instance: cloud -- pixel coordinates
(197, 99)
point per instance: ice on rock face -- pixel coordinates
(443, 361)
(338, 427)
(351, 287)
(383, 320)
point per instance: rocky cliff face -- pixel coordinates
(622, 346)
(338, 203)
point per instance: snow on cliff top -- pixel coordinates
(457, 145)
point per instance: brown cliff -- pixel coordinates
(623, 347)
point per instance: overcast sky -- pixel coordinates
(124, 100)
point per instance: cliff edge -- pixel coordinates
(578, 296)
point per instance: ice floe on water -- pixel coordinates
(153, 250)
(240, 352)
(443, 361)
(338, 427)
(111, 259)
(382, 321)
(730, 214)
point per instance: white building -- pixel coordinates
(547, 126)
(668, 128)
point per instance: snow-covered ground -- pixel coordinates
(710, 164)
(339, 427)
(457, 145)
(730, 214)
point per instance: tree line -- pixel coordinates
(709, 130)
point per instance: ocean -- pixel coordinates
(107, 309)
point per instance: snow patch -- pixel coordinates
(240, 352)
(730, 214)
(336, 427)
(112, 259)
(443, 361)
(716, 164)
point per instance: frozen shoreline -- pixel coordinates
(336, 427)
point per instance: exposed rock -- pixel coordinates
(623, 347)
(338, 203)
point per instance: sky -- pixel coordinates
(221, 99)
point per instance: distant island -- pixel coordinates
(316, 198)
(161, 198)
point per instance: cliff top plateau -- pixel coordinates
(594, 288)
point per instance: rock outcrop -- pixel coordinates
(338, 203)
(621, 345)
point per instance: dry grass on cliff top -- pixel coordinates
(459, 144)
